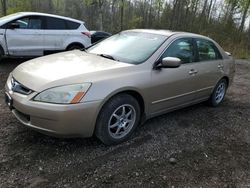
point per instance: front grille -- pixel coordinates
(19, 88)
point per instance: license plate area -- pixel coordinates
(9, 101)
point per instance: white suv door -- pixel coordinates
(27, 39)
(56, 34)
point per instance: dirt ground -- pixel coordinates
(211, 146)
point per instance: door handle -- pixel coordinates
(192, 72)
(220, 66)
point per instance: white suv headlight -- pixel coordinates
(70, 94)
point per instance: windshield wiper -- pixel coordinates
(108, 57)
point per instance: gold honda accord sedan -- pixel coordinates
(114, 85)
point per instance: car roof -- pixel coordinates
(168, 33)
(152, 31)
(50, 15)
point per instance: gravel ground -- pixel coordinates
(211, 148)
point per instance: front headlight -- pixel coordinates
(70, 94)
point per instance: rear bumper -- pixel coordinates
(52, 119)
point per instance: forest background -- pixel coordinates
(226, 21)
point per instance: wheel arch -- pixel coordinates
(224, 77)
(75, 43)
(137, 96)
(210, 101)
(130, 91)
(227, 79)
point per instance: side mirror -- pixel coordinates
(228, 53)
(14, 26)
(170, 62)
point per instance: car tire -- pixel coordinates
(75, 47)
(118, 119)
(219, 93)
(1, 53)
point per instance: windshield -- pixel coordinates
(129, 47)
(8, 18)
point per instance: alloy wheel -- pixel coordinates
(122, 121)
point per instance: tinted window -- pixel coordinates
(55, 24)
(207, 50)
(72, 25)
(29, 23)
(182, 49)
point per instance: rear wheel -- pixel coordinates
(219, 93)
(75, 47)
(118, 119)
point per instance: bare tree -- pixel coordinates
(122, 14)
(4, 6)
(245, 7)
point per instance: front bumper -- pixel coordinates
(76, 120)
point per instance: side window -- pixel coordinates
(72, 25)
(55, 24)
(29, 23)
(182, 49)
(207, 51)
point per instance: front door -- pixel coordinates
(175, 87)
(28, 39)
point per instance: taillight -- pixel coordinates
(88, 34)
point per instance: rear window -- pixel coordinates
(72, 25)
(207, 50)
(55, 24)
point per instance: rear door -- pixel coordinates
(209, 67)
(57, 33)
(28, 39)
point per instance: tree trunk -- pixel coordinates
(244, 17)
(100, 14)
(173, 17)
(209, 9)
(113, 15)
(150, 14)
(122, 14)
(232, 8)
(204, 9)
(4, 7)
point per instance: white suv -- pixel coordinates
(36, 34)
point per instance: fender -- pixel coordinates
(73, 40)
(125, 90)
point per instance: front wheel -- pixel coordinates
(1, 53)
(219, 93)
(118, 119)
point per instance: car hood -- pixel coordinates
(61, 68)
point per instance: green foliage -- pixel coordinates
(136, 22)
(18, 6)
(223, 22)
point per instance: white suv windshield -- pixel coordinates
(129, 47)
(8, 18)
